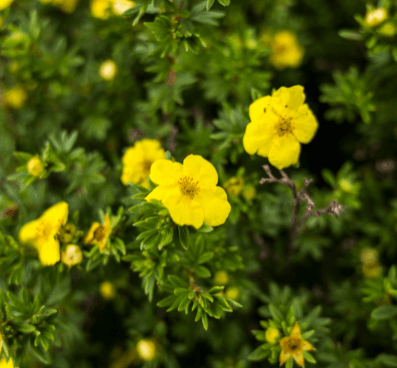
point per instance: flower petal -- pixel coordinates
(107, 225)
(305, 124)
(57, 215)
(49, 253)
(90, 235)
(200, 170)
(299, 359)
(306, 345)
(284, 151)
(296, 97)
(286, 100)
(162, 191)
(284, 342)
(296, 331)
(284, 357)
(184, 211)
(165, 172)
(28, 232)
(259, 107)
(215, 205)
(152, 149)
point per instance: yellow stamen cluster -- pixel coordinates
(99, 233)
(188, 187)
(146, 165)
(284, 126)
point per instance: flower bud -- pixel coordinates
(375, 17)
(35, 166)
(249, 193)
(15, 97)
(272, 334)
(221, 278)
(72, 255)
(234, 186)
(108, 70)
(369, 255)
(371, 269)
(66, 233)
(107, 290)
(146, 349)
(388, 29)
(232, 293)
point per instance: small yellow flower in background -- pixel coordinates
(371, 269)
(137, 161)
(101, 8)
(99, 234)
(189, 191)
(249, 192)
(5, 364)
(234, 186)
(72, 255)
(108, 70)
(375, 17)
(5, 4)
(272, 334)
(279, 123)
(369, 255)
(232, 293)
(15, 97)
(67, 6)
(42, 233)
(293, 346)
(286, 50)
(221, 278)
(146, 349)
(107, 290)
(120, 6)
(388, 29)
(1, 341)
(35, 166)
(346, 185)
(125, 360)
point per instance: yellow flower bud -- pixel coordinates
(5, 4)
(232, 293)
(249, 192)
(120, 6)
(35, 166)
(108, 70)
(146, 349)
(375, 17)
(221, 278)
(66, 233)
(272, 334)
(107, 290)
(388, 29)
(72, 255)
(234, 186)
(369, 255)
(15, 97)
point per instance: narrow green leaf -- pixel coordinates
(184, 236)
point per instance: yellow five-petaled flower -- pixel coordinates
(189, 191)
(99, 234)
(43, 233)
(279, 123)
(293, 346)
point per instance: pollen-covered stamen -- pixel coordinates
(283, 126)
(44, 231)
(99, 233)
(188, 187)
(294, 344)
(146, 164)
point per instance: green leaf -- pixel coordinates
(309, 357)
(384, 312)
(205, 228)
(202, 271)
(184, 236)
(388, 359)
(258, 354)
(205, 257)
(350, 35)
(216, 289)
(176, 281)
(204, 319)
(275, 312)
(210, 3)
(168, 155)
(167, 301)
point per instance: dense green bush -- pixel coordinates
(114, 254)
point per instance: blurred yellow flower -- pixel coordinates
(369, 255)
(249, 192)
(285, 50)
(108, 70)
(137, 161)
(234, 186)
(120, 6)
(42, 233)
(293, 346)
(272, 334)
(35, 166)
(388, 29)
(67, 6)
(189, 191)
(279, 123)
(221, 278)
(5, 4)
(15, 97)
(375, 17)
(107, 290)
(371, 269)
(5, 364)
(1, 341)
(346, 185)
(232, 293)
(99, 234)
(72, 255)
(101, 8)
(146, 349)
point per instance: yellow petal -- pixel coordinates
(215, 205)
(49, 253)
(296, 97)
(284, 357)
(166, 172)
(57, 214)
(28, 232)
(259, 135)
(259, 107)
(284, 151)
(305, 124)
(296, 331)
(131, 156)
(102, 243)
(286, 100)
(90, 235)
(201, 170)
(162, 191)
(152, 149)
(306, 345)
(108, 227)
(284, 342)
(298, 357)
(184, 211)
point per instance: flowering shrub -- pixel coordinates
(198, 183)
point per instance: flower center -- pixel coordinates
(188, 187)
(146, 164)
(294, 344)
(99, 233)
(284, 126)
(44, 231)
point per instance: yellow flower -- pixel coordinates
(234, 186)
(42, 233)
(99, 234)
(1, 341)
(72, 255)
(221, 278)
(107, 290)
(285, 50)
(101, 8)
(35, 166)
(120, 6)
(189, 191)
(346, 185)
(371, 269)
(293, 346)
(369, 255)
(232, 293)
(249, 193)
(146, 349)
(272, 334)
(67, 6)
(137, 161)
(279, 123)
(375, 17)
(388, 29)
(108, 70)
(5, 364)
(15, 97)
(5, 4)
